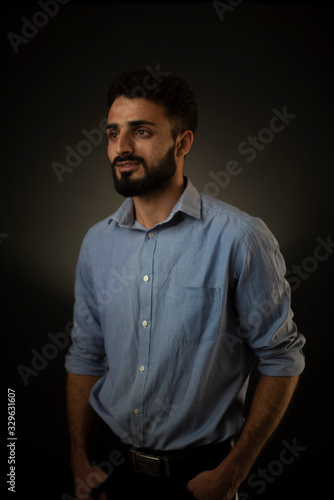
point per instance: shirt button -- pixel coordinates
(144, 323)
(151, 235)
(142, 368)
(146, 278)
(136, 411)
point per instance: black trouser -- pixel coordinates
(124, 482)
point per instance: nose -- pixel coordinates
(124, 145)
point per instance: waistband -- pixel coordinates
(167, 464)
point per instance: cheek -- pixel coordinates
(111, 151)
(154, 152)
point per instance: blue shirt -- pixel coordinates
(173, 317)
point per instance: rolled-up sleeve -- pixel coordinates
(86, 355)
(263, 298)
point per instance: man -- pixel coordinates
(176, 295)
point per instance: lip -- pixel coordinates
(127, 166)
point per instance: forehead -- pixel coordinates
(124, 109)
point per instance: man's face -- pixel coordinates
(140, 147)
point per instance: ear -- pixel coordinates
(184, 142)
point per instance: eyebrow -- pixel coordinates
(133, 123)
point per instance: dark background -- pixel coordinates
(261, 56)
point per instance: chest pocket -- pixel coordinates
(193, 314)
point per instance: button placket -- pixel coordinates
(144, 332)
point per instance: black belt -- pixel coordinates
(163, 464)
(167, 464)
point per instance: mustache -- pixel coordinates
(138, 159)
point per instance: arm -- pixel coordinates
(270, 401)
(80, 417)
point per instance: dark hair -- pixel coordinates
(174, 93)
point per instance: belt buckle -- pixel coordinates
(150, 464)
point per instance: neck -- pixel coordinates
(157, 206)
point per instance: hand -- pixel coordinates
(87, 477)
(217, 484)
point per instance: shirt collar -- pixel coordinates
(188, 203)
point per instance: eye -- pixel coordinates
(142, 132)
(112, 135)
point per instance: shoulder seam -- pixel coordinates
(248, 219)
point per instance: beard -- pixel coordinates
(153, 179)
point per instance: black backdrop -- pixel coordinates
(246, 64)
